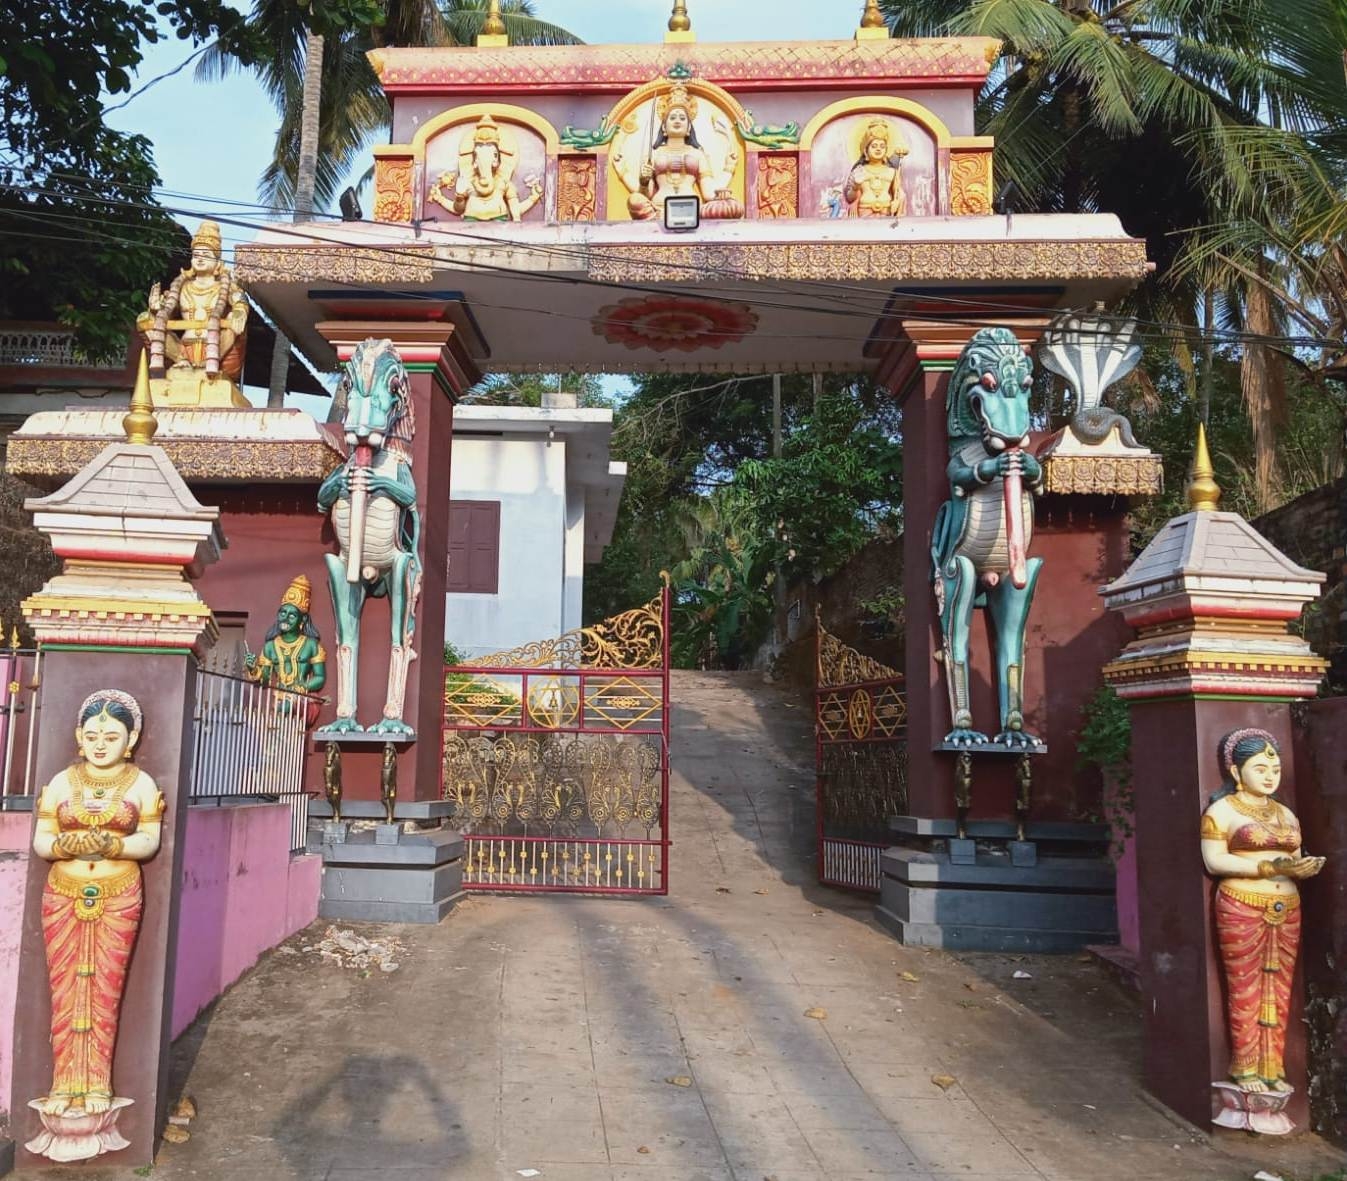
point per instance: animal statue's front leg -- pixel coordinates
(348, 600)
(404, 584)
(1008, 607)
(956, 587)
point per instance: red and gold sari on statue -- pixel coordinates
(1259, 937)
(89, 924)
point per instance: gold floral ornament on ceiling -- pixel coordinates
(671, 323)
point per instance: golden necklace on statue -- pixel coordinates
(287, 660)
(1267, 814)
(108, 792)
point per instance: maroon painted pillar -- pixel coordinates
(1210, 602)
(439, 370)
(122, 616)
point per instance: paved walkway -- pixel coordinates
(667, 1040)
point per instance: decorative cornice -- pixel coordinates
(200, 461)
(859, 261)
(1103, 475)
(751, 64)
(401, 264)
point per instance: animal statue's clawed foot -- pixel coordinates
(344, 726)
(1017, 740)
(393, 726)
(964, 736)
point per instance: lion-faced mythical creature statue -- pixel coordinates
(372, 500)
(982, 533)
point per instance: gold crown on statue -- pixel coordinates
(678, 96)
(487, 132)
(884, 131)
(208, 235)
(299, 594)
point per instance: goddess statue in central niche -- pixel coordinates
(674, 163)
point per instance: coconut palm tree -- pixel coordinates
(1180, 116)
(331, 104)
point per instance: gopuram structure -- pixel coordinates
(681, 207)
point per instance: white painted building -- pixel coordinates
(534, 498)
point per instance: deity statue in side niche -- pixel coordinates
(96, 822)
(673, 162)
(195, 330)
(292, 657)
(873, 187)
(483, 188)
(1251, 844)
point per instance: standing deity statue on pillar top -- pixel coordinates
(293, 657)
(874, 186)
(196, 328)
(483, 188)
(96, 822)
(1251, 845)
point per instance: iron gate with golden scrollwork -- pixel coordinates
(860, 733)
(556, 760)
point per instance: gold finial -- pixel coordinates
(493, 28)
(680, 24)
(14, 639)
(1204, 494)
(141, 424)
(872, 27)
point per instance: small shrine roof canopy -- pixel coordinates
(840, 185)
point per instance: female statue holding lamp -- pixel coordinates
(1251, 843)
(96, 821)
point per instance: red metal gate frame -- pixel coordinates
(527, 851)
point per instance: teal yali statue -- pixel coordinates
(372, 502)
(979, 547)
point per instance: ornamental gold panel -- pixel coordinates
(393, 188)
(971, 183)
(569, 786)
(839, 664)
(634, 639)
(1104, 475)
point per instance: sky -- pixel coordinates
(212, 140)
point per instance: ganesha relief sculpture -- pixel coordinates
(1251, 844)
(483, 188)
(96, 822)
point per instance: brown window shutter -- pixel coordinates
(474, 547)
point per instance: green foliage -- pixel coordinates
(722, 602)
(452, 655)
(527, 389)
(838, 481)
(888, 609)
(1105, 744)
(354, 111)
(705, 500)
(82, 239)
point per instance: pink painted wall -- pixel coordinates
(242, 895)
(14, 830)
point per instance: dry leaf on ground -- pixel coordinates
(679, 1080)
(817, 1014)
(944, 1081)
(910, 977)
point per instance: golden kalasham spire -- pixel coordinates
(1204, 494)
(493, 28)
(872, 27)
(141, 424)
(680, 24)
